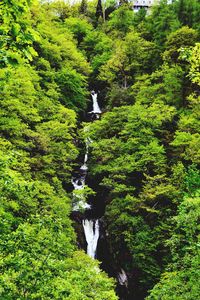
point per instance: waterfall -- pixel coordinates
(91, 229)
(122, 278)
(84, 167)
(80, 203)
(96, 108)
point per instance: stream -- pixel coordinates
(91, 225)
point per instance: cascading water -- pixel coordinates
(91, 227)
(122, 278)
(79, 201)
(84, 214)
(84, 167)
(96, 109)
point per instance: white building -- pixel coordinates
(138, 4)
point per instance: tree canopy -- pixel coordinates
(144, 157)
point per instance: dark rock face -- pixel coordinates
(77, 218)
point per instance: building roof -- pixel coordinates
(147, 3)
(143, 2)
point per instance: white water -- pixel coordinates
(122, 278)
(79, 181)
(96, 109)
(78, 184)
(84, 167)
(91, 229)
(80, 204)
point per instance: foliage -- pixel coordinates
(16, 34)
(130, 57)
(144, 153)
(39, 257)
(188, 12)
(142, 147)
(182, 38)
(181, 281)
(83, 7)
(121, 20)
(161, 22)
(125, 150)
(79, 27)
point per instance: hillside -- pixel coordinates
(99, 156)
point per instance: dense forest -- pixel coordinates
(143, 178)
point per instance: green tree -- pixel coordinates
(121, 20)
(83, 7)
(79, 28)
(99, 10)
(130, 57)
(187, 136)
(181, 279)
(164, 85)
(188, 12)
(16, 35)
(129, 163)
(161, 22)
(39, 257)
(182, 38)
